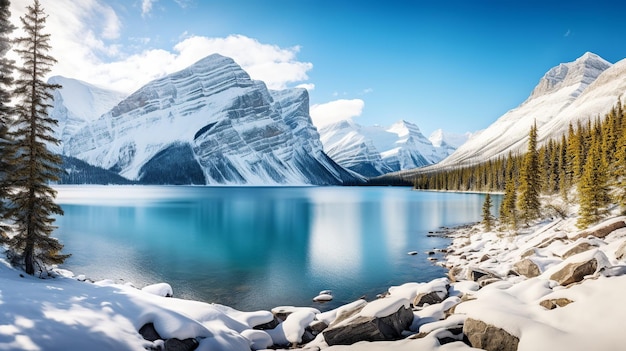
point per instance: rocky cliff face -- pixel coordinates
(209, 124)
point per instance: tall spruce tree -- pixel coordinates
(620, 169)
(530, 181)
(487, 216)
(34, 166)
(593, 190)
(508, 211)
(6, 81)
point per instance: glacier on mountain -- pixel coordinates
(209, 124)
(376, 150)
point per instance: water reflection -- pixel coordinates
(254, 248)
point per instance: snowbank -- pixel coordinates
(584, 311)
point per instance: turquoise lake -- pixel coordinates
(257, 248)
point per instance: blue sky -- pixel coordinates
(456, 65)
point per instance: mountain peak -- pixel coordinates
(576, 75)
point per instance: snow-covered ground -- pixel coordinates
(69, 313)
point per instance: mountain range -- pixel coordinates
(207, 124)
(211, 124)
(375, 150)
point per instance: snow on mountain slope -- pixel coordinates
(557, 99)
(215, 123)
(376, 150)
(346, 143)
(77, 103)
(439, 137)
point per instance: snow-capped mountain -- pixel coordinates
(439, 138)
(376, 150)
(585, 88)
(209, 124)
(78, 103)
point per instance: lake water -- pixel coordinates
(259, 247)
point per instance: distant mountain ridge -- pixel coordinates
(206, 124)
(575, 91)
(375, 150)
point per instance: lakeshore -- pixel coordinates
(549, 286)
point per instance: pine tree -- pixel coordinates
(34, 166)
(593, 190)
(508, 211)
(620, 169)
(528, 200)
(487, 216)
(6, 81)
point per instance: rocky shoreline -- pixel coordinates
(498, 287)
(545, 287)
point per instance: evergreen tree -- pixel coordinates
(620, 169)
(593, 190)
(487, 216)
(508, 211)
(6, 81)
(34, 166)
(528, 200)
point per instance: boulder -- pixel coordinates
(148, 332)
(270, 325)
(549, 241)
(575, 272)
(346, 314)
(429, 298)
(527, 267)
(554, 303)
(529, 252)
(602, 230)
(160, 289)
(581, 247)
(181, 345)
(370, 328)
(474, 274)
(488, 337)
(486, 280)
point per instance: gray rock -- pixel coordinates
(149, 333)
(554, 303)
(370, 328)
(429, 298)
(488, 337)
(575, 272)
(582, 247)
(475, 274)
(181, 345)
(602, 231)
(269, 325)
(527, 267)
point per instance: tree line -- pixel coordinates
(586, 166)
(27, 166)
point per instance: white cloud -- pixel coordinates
(84, 43)
(146, 7)
(307, 86)
(335, 111)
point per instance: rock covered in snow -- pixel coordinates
(159, 289)
(488, 337)
(382, 319)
